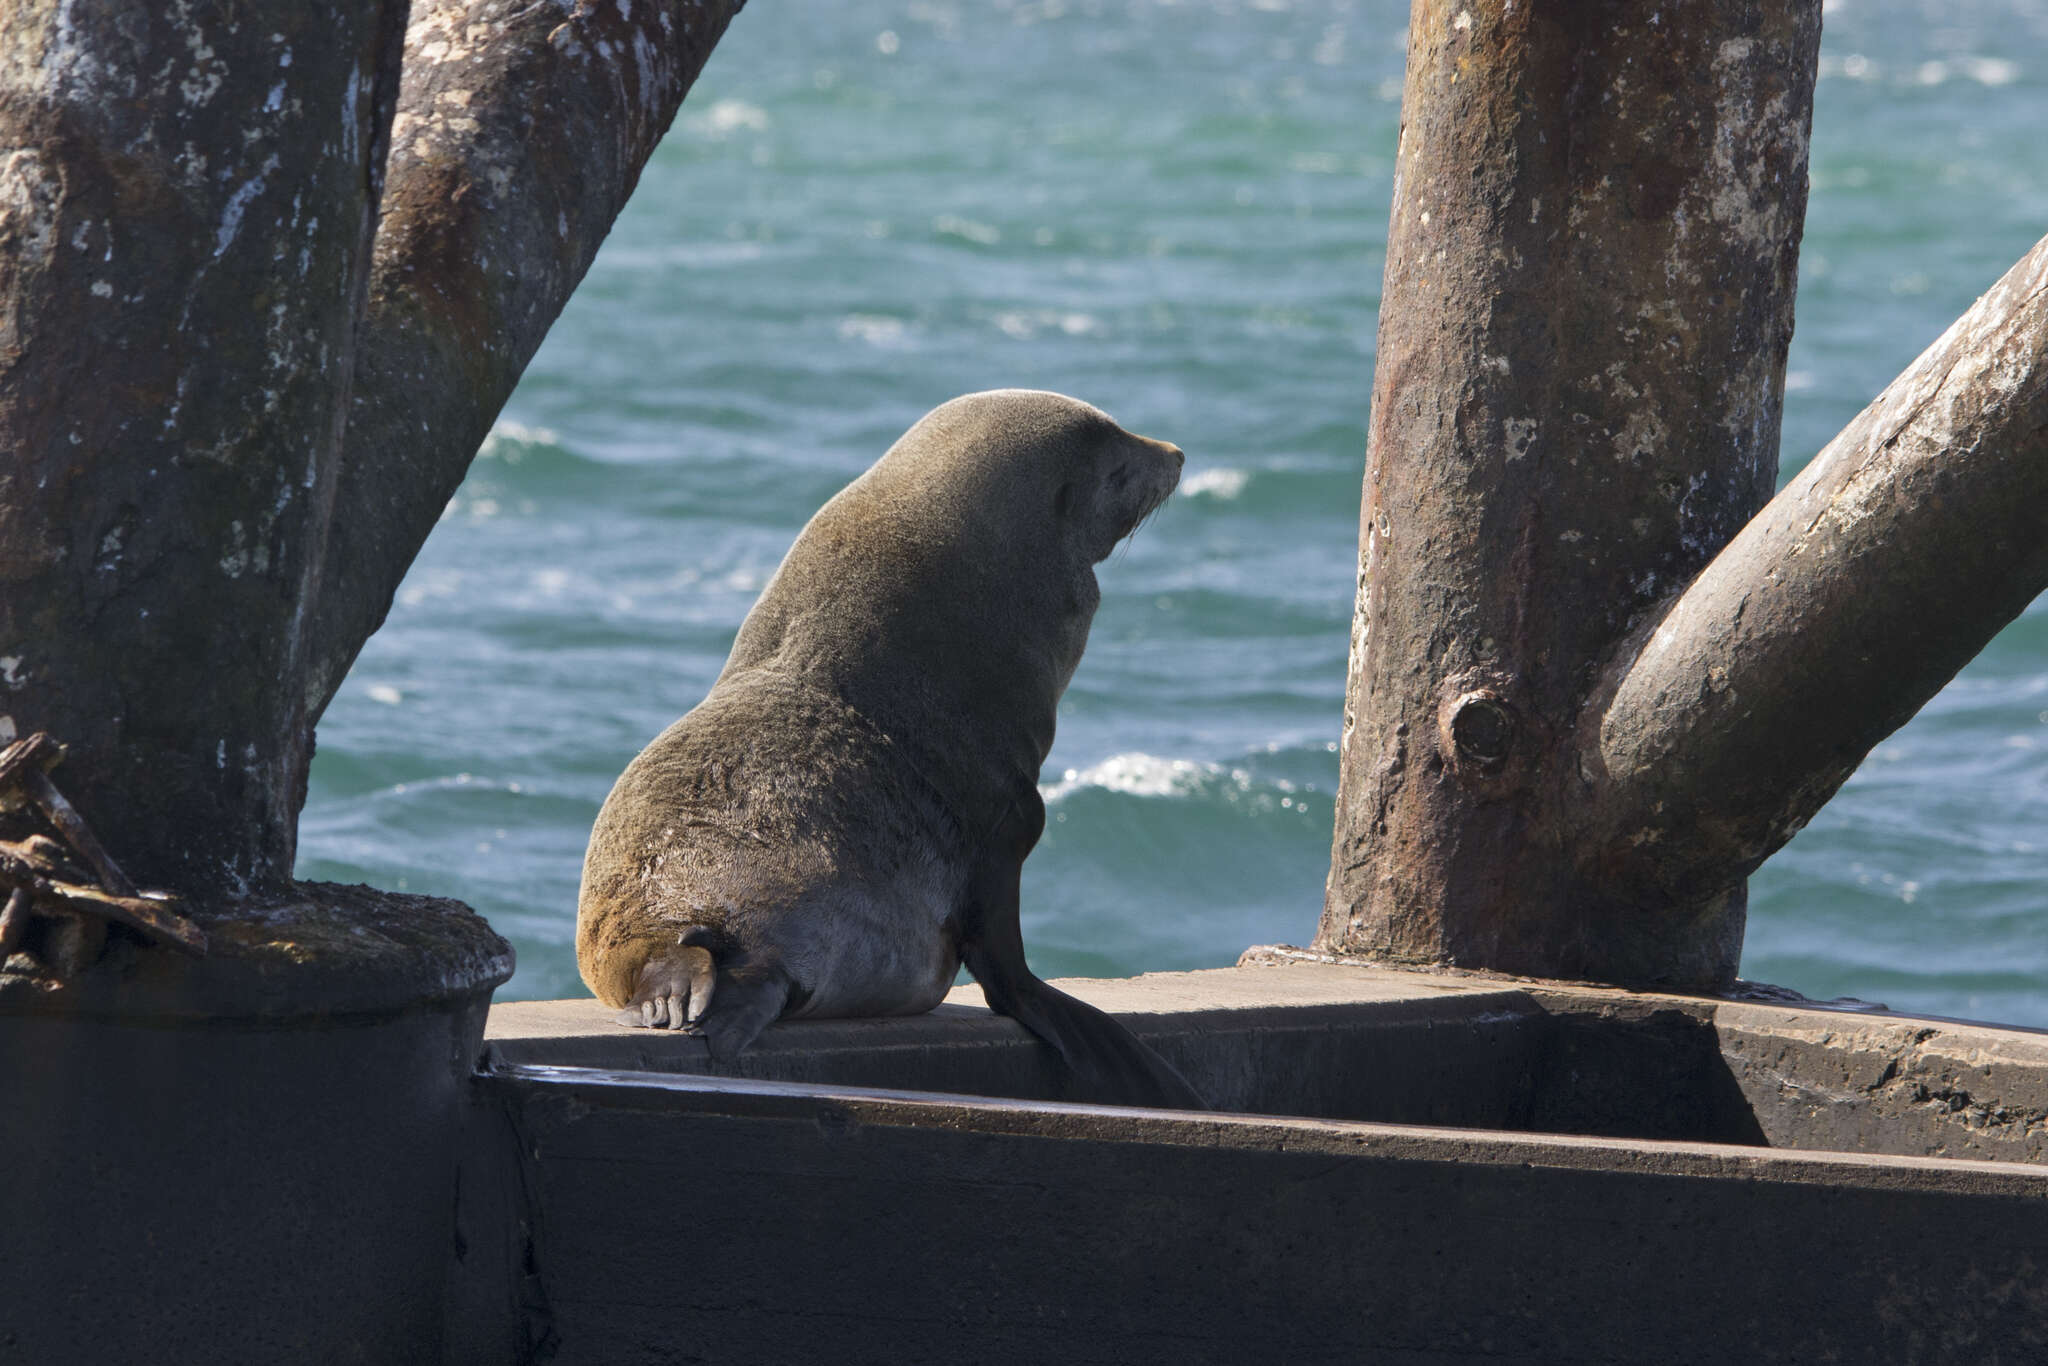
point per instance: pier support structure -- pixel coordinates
(1598, 674)
(267, 273)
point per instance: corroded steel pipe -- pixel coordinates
(187, 201)
(1588, 300)
(522, 126)
(1838, 612)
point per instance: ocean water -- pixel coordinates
(1176, 211)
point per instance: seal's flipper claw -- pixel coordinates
(703, 978)
(672, 990)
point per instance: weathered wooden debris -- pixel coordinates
(37, 870)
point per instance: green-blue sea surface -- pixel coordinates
(1176, 211)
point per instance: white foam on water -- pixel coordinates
(1027, 324)
(1220, 483)
(1135, 774)
(872, 328)
(1990, 70)
(726, 117)
(507, 436)
(970, 229)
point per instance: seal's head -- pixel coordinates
(1004, 502)
(1048, 476)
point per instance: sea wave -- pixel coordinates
(1136, 774)
(1188, 228)
(1221, 483)
(509, 441)
(723, 118)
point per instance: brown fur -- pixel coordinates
(842, 820)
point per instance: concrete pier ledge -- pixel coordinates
(1409, 1168)
(1282, 1036)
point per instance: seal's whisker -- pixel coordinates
(1124, 546)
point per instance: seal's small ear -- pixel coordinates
(1063, 501)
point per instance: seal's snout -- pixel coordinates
(1166, 448)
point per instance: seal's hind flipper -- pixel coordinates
(1108, 1061)
(677, 986)
(673, 989)
(752, 994)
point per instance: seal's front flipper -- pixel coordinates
(1108, 1061)
(674, 988)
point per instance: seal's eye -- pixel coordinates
(1063, 501)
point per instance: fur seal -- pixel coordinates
(843, 820)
